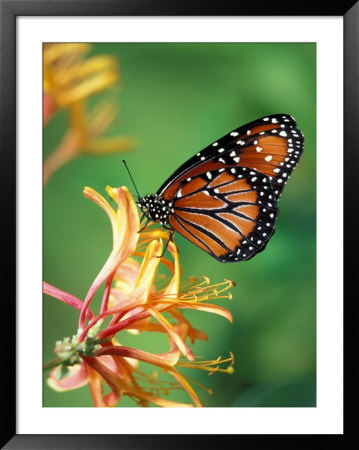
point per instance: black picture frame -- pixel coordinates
(9, 11)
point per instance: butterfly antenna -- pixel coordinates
(138, 194)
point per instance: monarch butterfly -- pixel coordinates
(224, 198)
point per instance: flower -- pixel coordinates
(69, 79)
(136, 299)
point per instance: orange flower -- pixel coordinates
(136, 301)
(69, 79)
(69, 76)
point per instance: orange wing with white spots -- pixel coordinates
(224, 198)
(271, 145)
(230, 213)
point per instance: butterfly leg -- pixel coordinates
(169, 240)
(145, 225)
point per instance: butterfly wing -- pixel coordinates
(229, 212)
(271, 145)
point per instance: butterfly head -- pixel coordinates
(155, 208)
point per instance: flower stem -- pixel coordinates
(51, 364)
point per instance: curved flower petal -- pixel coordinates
(77, 378)
(66, 298)
(164, 360)
(95, 383)
(219, 310)
(125, 225)
(172, 288)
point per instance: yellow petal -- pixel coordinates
(110, 145)
(172, 288)
(128, 222)
(87, 88)
(96, 65)
(149, 264)
(219, 310)
(99, 200)
(67, 52)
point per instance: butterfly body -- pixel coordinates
(156, 208)
(224, 199)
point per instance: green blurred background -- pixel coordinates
(175, 99)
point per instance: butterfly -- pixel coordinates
(224, 199)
